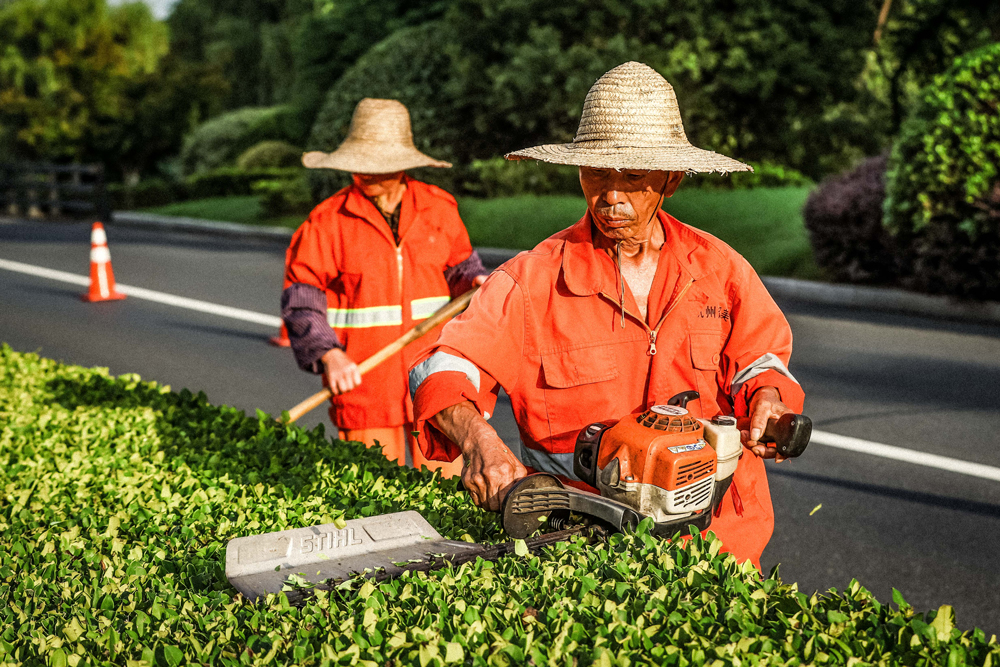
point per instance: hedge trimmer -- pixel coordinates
(660, 463)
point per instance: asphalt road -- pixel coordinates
(926, 385)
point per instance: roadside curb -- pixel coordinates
(198, 226)
(849, 296)
(886, 299)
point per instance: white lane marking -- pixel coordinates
(907, 455)
(148, 295)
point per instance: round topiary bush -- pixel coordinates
(943, 193)
(844, 219)
(408, 66)
(219, 141)
(267, 154)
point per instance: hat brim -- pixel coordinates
(688, 159)
(367, 158)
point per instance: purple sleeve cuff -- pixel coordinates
(461, 275)
(303, 309)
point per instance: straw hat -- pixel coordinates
(380, 141)
(631, 121)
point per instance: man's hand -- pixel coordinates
(479, 280)
(340, 371)
(490, 467)
(765, 404)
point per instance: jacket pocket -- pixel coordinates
(571, 368)
(706, 350)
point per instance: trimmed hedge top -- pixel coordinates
(117, 498)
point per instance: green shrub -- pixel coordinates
(270, 154)
(764, 175)
(219, 141)
(118, 497)
(145, 194)
(284, 197)
(408, 66)
(498, 177)
(943, 192)
(232, 181)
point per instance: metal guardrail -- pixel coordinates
(39, 190)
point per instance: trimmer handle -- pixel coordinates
(790, 433)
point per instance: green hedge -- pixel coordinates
(219, 141)
(224, 182)
(118, 496)
(943, 186)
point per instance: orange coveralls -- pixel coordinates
(547, 327)
(377, 290)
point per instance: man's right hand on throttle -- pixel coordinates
(490, 467)
(341, 372)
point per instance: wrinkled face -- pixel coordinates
(623, 203)
(377, 185)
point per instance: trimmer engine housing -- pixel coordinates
(661, 462)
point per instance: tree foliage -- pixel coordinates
(756, 79)
(66, 70)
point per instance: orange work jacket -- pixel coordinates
(377, 290)
(548, 328)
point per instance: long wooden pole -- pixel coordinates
(446, 312)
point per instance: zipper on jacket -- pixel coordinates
(399, 272)
(652, 333)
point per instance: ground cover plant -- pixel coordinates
(117, 497)
(763, 224)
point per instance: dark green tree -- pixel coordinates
(761, 79)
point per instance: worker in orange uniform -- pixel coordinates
(620, 312)
(369, 264)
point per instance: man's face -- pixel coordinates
(377, 185)
(622, 203)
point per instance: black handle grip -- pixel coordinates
(790, 434)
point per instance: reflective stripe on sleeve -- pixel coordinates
(361, 318)
(768, 362)
(421, 309)
(442, 361)
(542, 461)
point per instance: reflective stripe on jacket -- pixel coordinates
(547, 327)
(376, 290)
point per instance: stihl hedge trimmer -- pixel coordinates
(660, 463)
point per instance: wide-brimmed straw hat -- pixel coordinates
(631, 121)
(380, 141)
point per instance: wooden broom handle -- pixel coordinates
(446, 312)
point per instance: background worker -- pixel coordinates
(369, 264)
(618, 313)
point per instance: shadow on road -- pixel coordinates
(930, 499)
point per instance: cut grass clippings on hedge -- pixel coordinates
(118, 497)
(762, 224)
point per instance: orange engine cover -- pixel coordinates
(662, 446)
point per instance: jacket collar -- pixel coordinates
(588, 271)
(414, 199)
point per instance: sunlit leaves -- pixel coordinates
(117, 498)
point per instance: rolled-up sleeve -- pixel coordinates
(759, 347)
(461, 275)
(309, 269)
(477, 353)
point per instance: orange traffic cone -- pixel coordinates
(281, 340)
(102, 278)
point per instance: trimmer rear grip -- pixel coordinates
(790, 434)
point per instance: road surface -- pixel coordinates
(924, 385)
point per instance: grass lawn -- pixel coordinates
(764, 225)
(227, 209)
